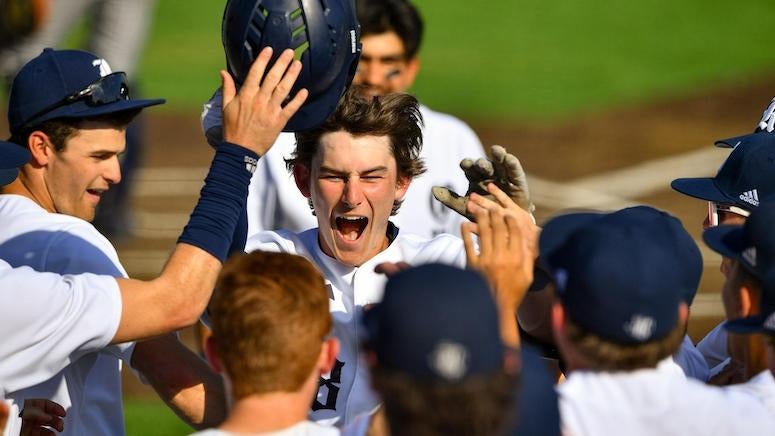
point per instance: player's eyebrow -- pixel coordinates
(378, 169)
(328, 170)
(386, 58)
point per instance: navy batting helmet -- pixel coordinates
(324, 34)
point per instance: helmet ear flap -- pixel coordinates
(324, 34)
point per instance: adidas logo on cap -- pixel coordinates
(750, 197)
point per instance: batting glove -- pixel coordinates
(504, 170)
(212, 119)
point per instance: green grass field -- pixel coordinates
(152, 418)
(517, 58)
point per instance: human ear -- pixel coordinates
(40, 148)
(402, 185)
(301, 175)
(328, 353)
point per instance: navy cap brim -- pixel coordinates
(726, 240)
(12, 157)
(703, 188)
(84, 111)
(732, 142)
(751, 324)
(8, 175)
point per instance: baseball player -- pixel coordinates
(743, 181)
(618, 318)
(748, 289)
(69, 111)
(272, 342)
(437, 349)
(355, 170)
(391, 33)
(749, 297)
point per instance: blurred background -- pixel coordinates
(604, 102)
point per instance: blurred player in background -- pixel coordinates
(117, 31)
(749, 290)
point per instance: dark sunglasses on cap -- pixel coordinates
(106, 90)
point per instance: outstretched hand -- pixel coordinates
(504, 170)
(255, 116)
(507, 251)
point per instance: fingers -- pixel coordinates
(451, 199)
(391, 268)
(467, 230)
(484, 167)
(229, 89)
(281, 77)
(295, 104)
(276, 73)
(485, 231)
(40, 412)
(256, 72)
(501, 197)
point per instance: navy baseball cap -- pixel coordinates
(67, 84)
(436, 322)
(744, 179)
(622, 275)
(753, 245)
(12, 157)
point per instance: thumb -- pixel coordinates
(451, 200)
(229, 89)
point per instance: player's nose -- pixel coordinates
(352, 194)
(112, 173)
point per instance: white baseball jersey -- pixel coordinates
(274, 202)
(762, 386)
(89, 388)
(346, 393)
(58, 320)
(659, 401)
(304, 428)
(691, 361)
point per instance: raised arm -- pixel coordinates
(253, 117)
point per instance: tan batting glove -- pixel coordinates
(504, 170)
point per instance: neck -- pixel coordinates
(755, 355)
(272, 411)
(25, 186)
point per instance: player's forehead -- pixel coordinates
(96, 137)
(384, 45)
(343, 151)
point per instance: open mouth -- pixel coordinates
(95, 192)
(351, 227)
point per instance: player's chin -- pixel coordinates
(348, 252)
